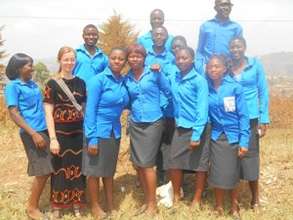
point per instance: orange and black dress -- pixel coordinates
(67, 182)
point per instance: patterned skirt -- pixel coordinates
(67, 182)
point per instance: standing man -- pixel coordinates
(157, 19)
(215, 34)
(90, 60)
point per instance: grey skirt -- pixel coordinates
(249, 165)
(224, 164)
(144, 142)
(181, 157)
(39, 160)
(104, 163)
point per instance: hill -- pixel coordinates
(278, 63)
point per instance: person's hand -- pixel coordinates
(262, 128)
(54, 146)
(241, 152)
(38, 140)
(156, 67)
(93, 150)
(193, 145)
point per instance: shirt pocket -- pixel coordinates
(229, 104)
(30, 98)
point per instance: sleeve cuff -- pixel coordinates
(93, 141)
(243, 143)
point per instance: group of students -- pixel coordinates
(201, 112)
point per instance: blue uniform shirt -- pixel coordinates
(88, 65)
(190, 101)
(145, 95)
(27, 97)
(106, 98)
(228, 112)
(164, 59)
(255, 88)
(147, 42)
(214, 38)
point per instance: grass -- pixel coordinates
(276, 182)
(276, 179)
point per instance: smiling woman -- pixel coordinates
(65, 126)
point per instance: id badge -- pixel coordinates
(229, 104)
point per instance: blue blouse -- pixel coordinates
(106, 98)
(27, 97)
(144, 95)
(88, 65)
(255, 88)
(190, 101)
(228, 112)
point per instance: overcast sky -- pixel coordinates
(40, 27)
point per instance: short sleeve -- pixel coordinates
(50, 92)
(11, 95)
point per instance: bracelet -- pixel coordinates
(53, 138)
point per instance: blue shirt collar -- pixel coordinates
(250, 62)
(217, 20)
(83, 49)
(152, 52)
(19, 81)
(191, 74)
(146, 70)
(226, 79)
(108, 72)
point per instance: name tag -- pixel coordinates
(229, 104)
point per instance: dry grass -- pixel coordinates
(276, 178)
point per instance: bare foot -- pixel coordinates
(151, 211)
(98, 213)
(219, 210)
(34, 213)
(195, 206)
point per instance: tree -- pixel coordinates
(116, 33)
(42, 73)
(2, 52)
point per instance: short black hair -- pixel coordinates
(179, 38)
(189, 50)
(158, 10)
(241, 39)
(16, 62)
(164, 28)
(124, 50)
(223, 59)
(90, 26)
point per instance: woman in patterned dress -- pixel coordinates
(65, 126)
